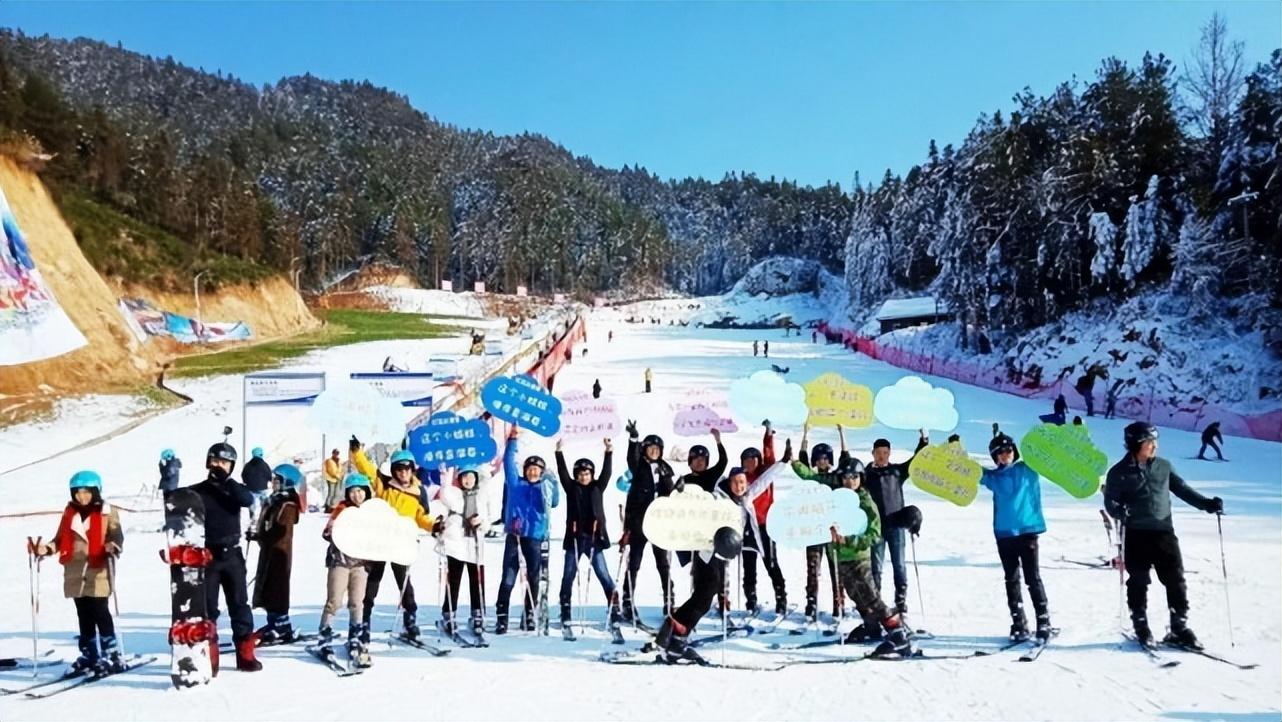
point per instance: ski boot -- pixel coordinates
(325, 638)
(357, 651)
(750, 604)
(1143, 634)
(478, 623)
(896, 641)
(901, 599)
(447, 625)
(527, 620)
(412, 632)
(672, 640)
(245, 659)
(627, 612)
(111, 662)
(812, 610)
(89, 658)
(1044, 630)
(1179, 636)
(500, 622)
(278, 630)
(781, 603)
(868, 631)
(1018, 624)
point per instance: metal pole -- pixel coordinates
(1224, 566)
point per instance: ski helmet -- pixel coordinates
(222, 450)
(257, 452)
(289, 474)
(1002, 442)
(727, 543)
(534, 461)
(584, 465)
(908, 518)
(652, 440)
(852, 468)
(822, 451)
(1137, 433)
(86, 480)
(354, 480)
(473, 470)
(735, 472)
(167, 454)
(750, 453)
(402, 459)
(698, 451)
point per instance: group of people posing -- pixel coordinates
(457, 513)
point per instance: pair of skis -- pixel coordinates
(70, 680)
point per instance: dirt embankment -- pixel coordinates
(114, 359)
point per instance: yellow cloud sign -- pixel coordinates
(833, 400)
(945, 471)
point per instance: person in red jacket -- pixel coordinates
(754, 463)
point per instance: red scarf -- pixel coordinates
(66, 538)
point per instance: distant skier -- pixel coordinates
(648, 378)
(88, 538)
(756, 348)
(274, 532)
(779, 369)
(1138, 492)
(1110, 398)
(596, 388)
(332, 470)
(814, 337)
(257, 476)
(1060, 415)
(610, 336)
(170, 469)
(765, 349)
(1209, 436)
(1017, 522)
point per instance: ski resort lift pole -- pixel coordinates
(195, 286)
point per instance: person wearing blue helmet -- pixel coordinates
(274, 532)
(346, 576)
(529, 495)
(88, 540)
(170, 467)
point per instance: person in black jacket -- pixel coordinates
(257, 477)
(1138, 492)
(585, 529)
(170, 468)
(1209, 436)
(701, 475)
(651, 477)
(885, 484)
(224, 497)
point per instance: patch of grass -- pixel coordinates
(343, 326)
(119, 245)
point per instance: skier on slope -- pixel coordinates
(467, 508)
(403, 492)
(1209, 436)
(88, 534)
(274, 532)
(224, 497)
(170, 469)
(854, 565)
(884, 482)
(824, 472)
(527, 503)
(651, 477)
(1138, 492)
(1017, 522)
(346, 576)
(586, 533)
(756, 462)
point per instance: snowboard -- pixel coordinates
(192, 636)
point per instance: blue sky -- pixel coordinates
(807, 91)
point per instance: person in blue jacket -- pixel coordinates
(527, 501)
(1017, 521)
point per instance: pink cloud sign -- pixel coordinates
(583, 417)
(699, 421)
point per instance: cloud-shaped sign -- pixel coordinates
(699, 421)
(711, 398)
(449, 439)
(834, 400)
(765, 395)
(945, 471)
(374, 531)
(912, 403)
(583, 417)
(520, 400)
(352, 408)
(806, 512)
(687, 521)
(1066, 456)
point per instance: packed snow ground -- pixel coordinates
(1085, 675)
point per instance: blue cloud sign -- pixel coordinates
(449, 439)
(520, 400)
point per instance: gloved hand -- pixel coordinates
(623, 540)
(632, 429)
(354, 444)
(1214, 505)
(680, 486)
(112, 548)
(252, 535)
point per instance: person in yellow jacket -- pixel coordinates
(402, 492)
(332, 469)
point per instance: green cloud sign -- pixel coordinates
(1066, 456)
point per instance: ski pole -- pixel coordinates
(115, 600)
(1121, 573)
(442, 582)
(921, 601)
(33, 577)
(480, 574)
(1224, 566)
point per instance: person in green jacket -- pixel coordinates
(854, 565)
(1138, 492)
(817, 465)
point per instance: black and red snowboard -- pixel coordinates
(192, 636)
